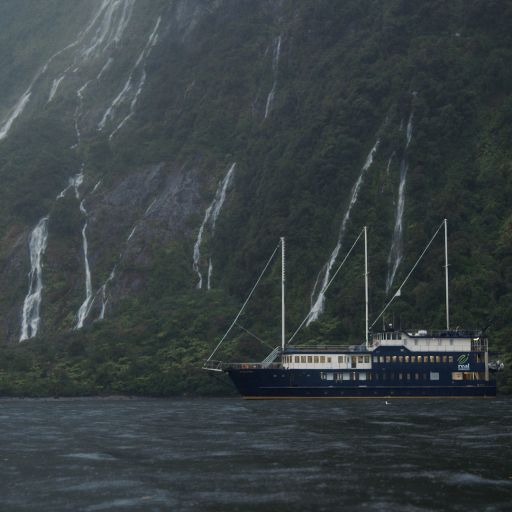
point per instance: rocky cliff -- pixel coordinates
(152, 152)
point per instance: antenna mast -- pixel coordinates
(446, 274)
(366, 283)
(283, 278)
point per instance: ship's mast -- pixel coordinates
(446, 274)
(366, 283)
(283, 277)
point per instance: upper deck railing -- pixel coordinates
(430, 333)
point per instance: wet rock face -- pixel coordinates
(128, 219)
(127, 222)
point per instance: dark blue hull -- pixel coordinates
(295, 384)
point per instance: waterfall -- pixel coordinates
(210, 219)
(275, 68)
(113, 17)
(324, 276)
(87, 303)
(105, 68)
(16, 111)
(210, 272)
(31, 306)
(396, 251)
(196, 256)
(55, 85)
(103, 291)
(129, 85)
(132, 232)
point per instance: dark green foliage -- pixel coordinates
(350, 72)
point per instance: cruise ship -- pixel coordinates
(392, 363)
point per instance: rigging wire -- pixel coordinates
(245, 303)
(254, 336)
(396, 294)
(327, 287)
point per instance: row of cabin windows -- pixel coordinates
(325, 359)
(413, 359)
(377, 376)
(407, 376)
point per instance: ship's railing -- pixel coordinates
(479, 345)
(221, 366)
(326, 348)
(432, 333)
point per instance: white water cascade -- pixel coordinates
(210, 219)
(103, 292)
(275, 68)
(396, 251)
(37, 246)
(324, 276)
(87, 303)
(107, 25)
(126, 92)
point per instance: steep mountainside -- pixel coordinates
(152, 152)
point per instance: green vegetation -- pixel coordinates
(347, 74)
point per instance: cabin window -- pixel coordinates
(445, 359)
(450, 359)
(434, 375)
(388, 359)
(451, 342)
(316, 359)
(400, 376)
(432, 359)
(394, 359)
(416, 376)
(406, 359)
(408, 376)
(375, 359)
(381, 359)
(456, 375)
(360, 359)
(362, 376)
(420, 359)
(296, 359)
(366, 359)
(329, 359)
(302, 359)
(310, 359)
(401, 359)
(330, 376)
(322, 359)
(346, 376)
(413, 359)
(438, 359)
(323, 376)
(340, 359)
(415, 342)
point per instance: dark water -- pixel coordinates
(226, 454)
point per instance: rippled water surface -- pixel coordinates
(227, 454)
